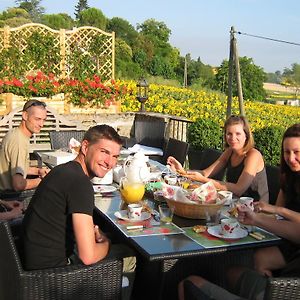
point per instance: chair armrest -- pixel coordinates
(102, 280)
(282, 288)
(128, 141)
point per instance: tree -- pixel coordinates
(252, 78)
(14, 17)
(81, 5)
(292, 77)
(33, 7)
(92, 17)
(123, 30)
(274, 77)
(155, 30)
(58, 21)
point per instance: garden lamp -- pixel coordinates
(142, 92)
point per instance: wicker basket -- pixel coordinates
(194, 211)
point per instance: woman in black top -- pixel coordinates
(287, 204)
(246, 174)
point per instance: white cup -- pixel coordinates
(171, 179)
(229, 226)
(247, 202)
(226, 196)
(135, 211)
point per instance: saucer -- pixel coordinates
(103, 189)
(237, 234)
(123, 215)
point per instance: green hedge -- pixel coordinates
(206, 133)
(268, 142)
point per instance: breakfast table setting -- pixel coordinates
(169, 220)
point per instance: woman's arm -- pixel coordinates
(202, 175)
(287, 229)
(252, 163)
(281, 201)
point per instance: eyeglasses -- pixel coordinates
(31, 103)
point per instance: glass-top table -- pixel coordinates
(165, 259)
(159, 246)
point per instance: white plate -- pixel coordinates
(237, 234)
(103, 189)
(124, 216)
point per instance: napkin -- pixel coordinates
(74, 146)
(206, 193)
(146, 150)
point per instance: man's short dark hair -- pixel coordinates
(32, 103)
(98, 132)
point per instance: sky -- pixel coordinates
(202, 28)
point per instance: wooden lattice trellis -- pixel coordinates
(101, 61)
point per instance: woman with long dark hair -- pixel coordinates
(287, 204)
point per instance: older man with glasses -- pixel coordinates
(14, 151)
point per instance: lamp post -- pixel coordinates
(142, 92)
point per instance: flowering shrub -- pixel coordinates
(32, 86)
(84, 92)
(93, 92)
(204, 105)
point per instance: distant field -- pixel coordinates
(278, 88)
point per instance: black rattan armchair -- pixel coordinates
(177, 149)
(279, 288)
(99, 281)
(60, 139)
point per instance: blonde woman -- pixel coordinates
(245, 167)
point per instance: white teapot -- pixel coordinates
(136, 168)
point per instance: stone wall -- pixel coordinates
(122, 122)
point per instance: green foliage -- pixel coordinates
(123, 50)
(274, 77)
(92, 17)
(33, 7)
(80, 6)
(252, 78)
(163, 81)
(161, 67)
(155, 30)
(8, 58)
(205, 133)
(58, 21)
(14, 17)
(268, 141)
(41, 52)
(123, 30)
(84, 60)
(128, 70)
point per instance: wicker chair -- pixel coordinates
(279, 288)
(273, 177)
(209, 156)
(175, 148)
(99, 281)
(148, 131)
(60, 139)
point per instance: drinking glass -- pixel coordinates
(166, 213)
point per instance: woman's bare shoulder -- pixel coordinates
(254, 154)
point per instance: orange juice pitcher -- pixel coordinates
(131, 191)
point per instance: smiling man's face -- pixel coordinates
(101, 157)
